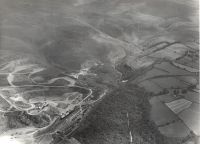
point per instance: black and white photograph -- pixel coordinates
(99, 72)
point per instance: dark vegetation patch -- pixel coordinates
(19, 119)
(107, 124)
(81, 90)
(128, 73)
(3, 80)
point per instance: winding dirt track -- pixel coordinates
(66, 118)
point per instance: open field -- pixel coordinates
(190, 80)
(176, 117)
(176, 129)
(166, 98)
(172, 69)
(192, 96)
(169, 82)
(165, 75)
(179, 105)
(193, 68)
(191, 117)
(172, 52)
(151, 87)
(160, 113)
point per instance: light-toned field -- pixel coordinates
(193, 68)
(151, 87)
(172, 69)
(192, 96)
(172, 52)
(153, 72)
(179, 105)
(191, 80)
(177, 129)
(165, 76)
(166, 98)
(169, 82)
(191, 117)
(167, 108)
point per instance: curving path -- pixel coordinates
(62, 104)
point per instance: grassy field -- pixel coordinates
(160, 113)
(165, 75)
(151, 87)
(191, 117)
(192, 96)
(179, 105)
(176, 129)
